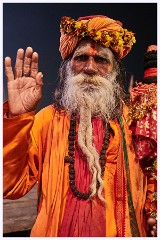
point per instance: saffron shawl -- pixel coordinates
(34, 152)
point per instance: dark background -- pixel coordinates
(37, 25)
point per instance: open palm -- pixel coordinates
(25, 84)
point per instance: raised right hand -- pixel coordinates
(25, 84)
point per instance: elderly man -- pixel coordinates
(80, 148)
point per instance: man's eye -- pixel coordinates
(101, 60)
(81, 58)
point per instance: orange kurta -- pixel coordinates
(34, 150)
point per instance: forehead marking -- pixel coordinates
(93, 45)
(92, 50)
(82, 48)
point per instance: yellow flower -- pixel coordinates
(78, 25)
(117, 34)
(133, 40)
(106, 44)
(98, 36)
(120, 42)
(118, 39)
(108, 38)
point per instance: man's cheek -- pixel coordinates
(76, 67)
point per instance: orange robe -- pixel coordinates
(34, 150)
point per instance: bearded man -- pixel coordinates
(80, 148)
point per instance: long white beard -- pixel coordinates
(90, 96)
(96, 92)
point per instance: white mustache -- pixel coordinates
(95, 80)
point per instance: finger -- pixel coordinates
(34, 65)
(39, 79)
(27, 61)
(38, 87)
(19, 63)
(8, 69)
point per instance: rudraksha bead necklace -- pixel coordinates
(71, 158)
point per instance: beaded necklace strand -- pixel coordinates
(71, 158)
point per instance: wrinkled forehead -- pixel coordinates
(91, 47)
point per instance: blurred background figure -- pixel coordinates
(143, 114)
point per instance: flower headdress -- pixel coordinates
(104, 30)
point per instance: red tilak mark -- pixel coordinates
(92, 50)
(93, 45)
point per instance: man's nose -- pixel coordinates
(90, 67)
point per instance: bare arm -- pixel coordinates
(20, 152)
